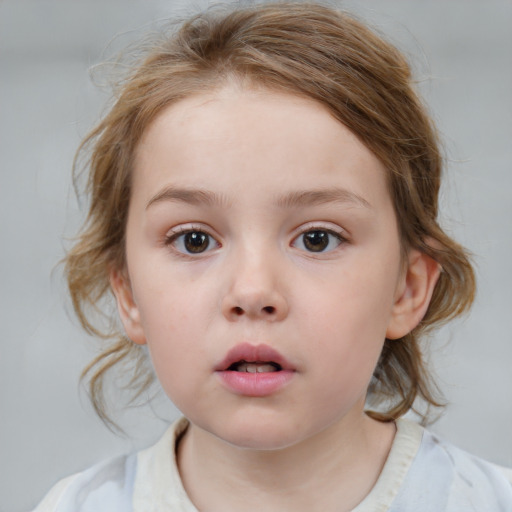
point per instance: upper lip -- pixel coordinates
(253, 354)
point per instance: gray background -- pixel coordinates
(462, 50)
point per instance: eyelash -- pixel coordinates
(173, 238)
(340, 239)
(181, 232)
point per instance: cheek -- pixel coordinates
(174, 318)
(168, 318)
(168, 300)
(356, 302)
(347, 321)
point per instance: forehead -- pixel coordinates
(236, 138)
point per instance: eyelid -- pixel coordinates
(174, 233)
(187, 227)
(335, 229)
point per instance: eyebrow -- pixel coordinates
(295, 199)
(317, 197)
(196, 197)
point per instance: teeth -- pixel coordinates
(256, 368)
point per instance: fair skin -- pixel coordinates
(258, 220)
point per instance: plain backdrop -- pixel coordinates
(462, 54)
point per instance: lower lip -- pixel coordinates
(255, 384)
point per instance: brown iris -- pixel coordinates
(196, 241)
(316, 241)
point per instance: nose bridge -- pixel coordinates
(254, 282)
(255, 261)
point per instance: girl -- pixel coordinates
(263, 208)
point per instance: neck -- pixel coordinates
(332, 470)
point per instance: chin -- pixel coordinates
(260, 434)
(261, 441)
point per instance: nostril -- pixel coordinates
(237, 311)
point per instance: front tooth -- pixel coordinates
(262, 368)
(255, 368)
(246, 367)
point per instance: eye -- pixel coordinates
(192, 241)
(318, 240)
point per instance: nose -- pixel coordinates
(255, 292)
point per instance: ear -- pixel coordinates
(413, 294)
(126, 306)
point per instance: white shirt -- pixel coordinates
(422, 474)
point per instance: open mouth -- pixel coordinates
(255, 359)
(254, 367)
(254, 370)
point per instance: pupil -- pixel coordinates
(316, 241)
(196, 241)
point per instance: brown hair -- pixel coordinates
(305, 49)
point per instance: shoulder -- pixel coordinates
(158, 486)
(146, 481)
(107, 486)
(450, 479)
(507, 473)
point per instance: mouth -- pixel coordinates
(254, 367)
(247, 358)
(255, 371)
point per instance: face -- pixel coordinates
(263, 264)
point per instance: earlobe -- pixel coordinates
(126, 306)
(414, 294)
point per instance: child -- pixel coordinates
(263, 208)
